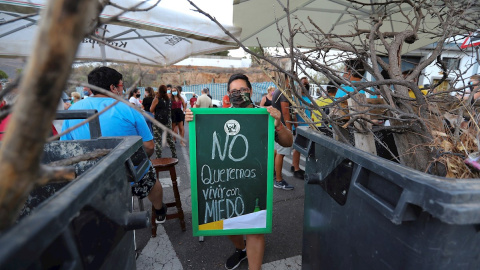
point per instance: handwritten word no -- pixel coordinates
(216, 144)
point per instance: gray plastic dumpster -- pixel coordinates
(364, 212)
(86, 224)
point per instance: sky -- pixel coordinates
(222, 10)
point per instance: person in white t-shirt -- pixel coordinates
(134, 97)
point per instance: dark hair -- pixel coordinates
(407, 72)
(179, 88)
(103, 77)
(178, 96)
(291, 72)
(356, 66)
(162, 92)
(287, 77)
(385, 74)
(331, 88)
(169, 86)
(134, 90)
(239, 76)
(149, 90)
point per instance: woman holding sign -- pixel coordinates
(240, 90)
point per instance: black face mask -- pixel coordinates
(138, 95)
(240, 100)
(307, 86)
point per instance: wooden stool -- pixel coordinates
(168, 164)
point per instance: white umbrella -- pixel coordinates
(332, 16)
(160, 36)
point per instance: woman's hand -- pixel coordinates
(188, 115)
(275, 114)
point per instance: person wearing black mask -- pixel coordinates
(240, 89)
(134, 98)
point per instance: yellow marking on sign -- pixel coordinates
(217, 225)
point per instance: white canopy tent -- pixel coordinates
(160, 36)
(332, 16)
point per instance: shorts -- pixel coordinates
(177, 116)
(283, 150)
(142, 188)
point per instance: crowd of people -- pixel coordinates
(168, 107)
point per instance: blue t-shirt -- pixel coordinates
(343, 89)
(120, 120)
(300, 120)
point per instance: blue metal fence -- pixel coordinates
(217, 90)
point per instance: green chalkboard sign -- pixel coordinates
(231, 161)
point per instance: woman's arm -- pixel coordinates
(184, 105)
(285, 136)
(149, 147)
(286, 114)
(154, 105)
(262, 102)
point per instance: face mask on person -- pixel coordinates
(174, 93)
(85, 93)
(168, 91)
(138, 95)
(307, 86)
(240, 99)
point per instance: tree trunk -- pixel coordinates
(415, 146)
(364, 138)
(60, 31)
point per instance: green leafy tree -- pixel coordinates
(258, 50)
(320, 78)
(3, 75)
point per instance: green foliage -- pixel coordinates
(257, 50)
(80, 72)
(3, 75)
(319, 78)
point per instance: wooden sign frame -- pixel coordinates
(260, 220)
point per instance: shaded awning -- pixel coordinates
(262, 19)
(160, 36)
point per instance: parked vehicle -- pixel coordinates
(188, 95)
(216, 103)
(315, 90)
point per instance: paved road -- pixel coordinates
(174, 249)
